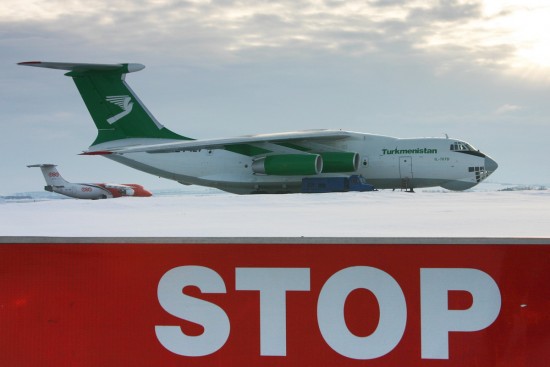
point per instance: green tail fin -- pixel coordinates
(116, 110)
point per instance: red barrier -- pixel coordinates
(274, 305)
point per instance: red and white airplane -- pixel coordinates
(56, 183)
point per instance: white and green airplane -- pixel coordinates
(267, 163)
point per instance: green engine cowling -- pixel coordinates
(335, 162)
(289, 165)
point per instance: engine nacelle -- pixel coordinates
(334, 162)
(289, 165)
(129, 192)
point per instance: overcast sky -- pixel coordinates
(478, 70)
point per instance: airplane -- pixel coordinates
(56, 183)
(267, 163)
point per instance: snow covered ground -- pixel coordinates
(200, 212)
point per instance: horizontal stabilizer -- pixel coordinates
(42, 165)
(81, 67)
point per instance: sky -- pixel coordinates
(477, 70)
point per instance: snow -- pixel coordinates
(199, 212)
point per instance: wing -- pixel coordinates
(249, 145)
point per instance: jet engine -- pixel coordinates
(288, 165)
(334, 162)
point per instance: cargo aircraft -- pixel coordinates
(266, 163)
(56, 183)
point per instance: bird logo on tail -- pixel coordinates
(124, 102)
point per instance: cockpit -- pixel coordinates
(462, 147)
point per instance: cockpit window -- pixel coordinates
(465, 148)
(459, 146)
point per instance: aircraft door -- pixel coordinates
(405, 168)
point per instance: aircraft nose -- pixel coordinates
(490, 164)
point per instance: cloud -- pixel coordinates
(239, 31)
(507, 108)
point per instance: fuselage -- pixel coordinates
(56, 183)
(98, 191)
(386, 162)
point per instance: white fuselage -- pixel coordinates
(81, 191)
(385, 162)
